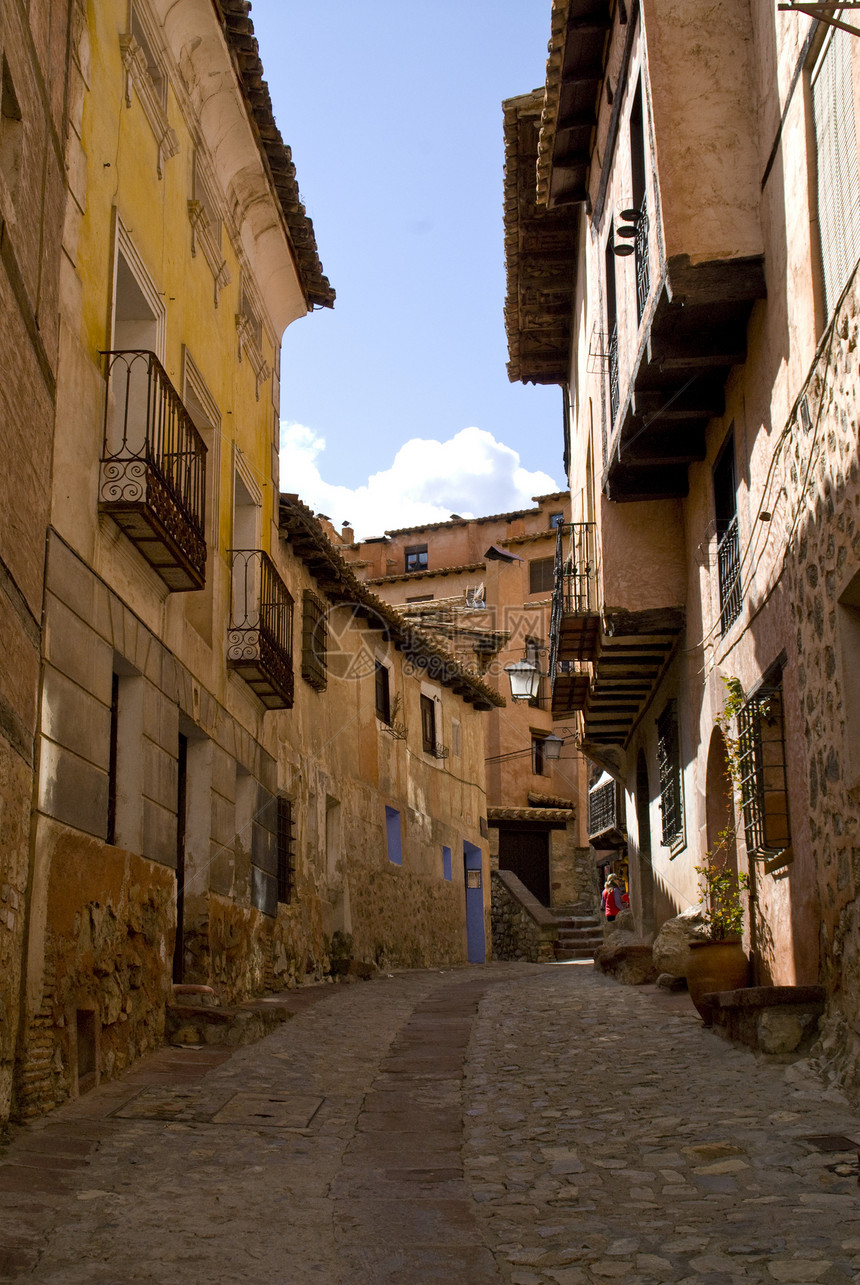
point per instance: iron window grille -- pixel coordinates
(669, 766)
(286, 851)
(614, 394)
(643, 266)
(762, 770)
(314, 641)
(729, 573)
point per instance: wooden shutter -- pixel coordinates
(837, 177)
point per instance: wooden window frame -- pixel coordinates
(382, 681)
(314, 641)
(539, 580)
(416, 551)
(428, 724)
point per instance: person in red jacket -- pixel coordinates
(614, 899)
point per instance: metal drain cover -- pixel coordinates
(276, 1111)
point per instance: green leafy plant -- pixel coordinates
(720, 899)
(721, 885)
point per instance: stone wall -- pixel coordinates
(822, 570)
(522, 928)
(108, 947)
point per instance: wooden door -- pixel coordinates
(526, 854)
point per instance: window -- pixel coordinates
(153, 70)
(838, 183)
(393, 837)
(728, 541)
(761, 760)
(424, 597)
(286, 849)
(456, 738)
(416, 557)
(669, 764)
(428, 724)
(145, 73)
(538, 756)
(541, 575)
(383, 693)
(556, 520)
(446, 864)
(533, 655)
(314, 640)
(637, 170)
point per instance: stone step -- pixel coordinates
(578, 953)
(579, 934)
(241, 1024)
(585, 921)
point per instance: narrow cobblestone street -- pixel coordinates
(511, 1123)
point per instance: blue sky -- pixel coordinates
(394, 116)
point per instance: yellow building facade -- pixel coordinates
(194, 825)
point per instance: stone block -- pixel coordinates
(264, 892)
(159, 834)
(74, 719)
(160, 718)
(625, 959)
(671, 948)
(160, 775)
(70, 580)
(76, 650)
(223, 773)
(266, 810)
(72, 790)
(264, 852)
(223, 821)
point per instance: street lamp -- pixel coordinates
(525, 680)
(552, 747)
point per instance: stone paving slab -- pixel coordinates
(532, 1125)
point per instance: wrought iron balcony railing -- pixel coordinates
(643, 265)
(153, 469)
(575, 614)
(729, 572)
(612, 355)
(260, 639)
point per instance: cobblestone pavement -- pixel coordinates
(515, 1123)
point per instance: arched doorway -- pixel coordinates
(719, 806)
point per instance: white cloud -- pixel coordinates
(471, 474)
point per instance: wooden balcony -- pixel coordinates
(153, 469)
(606, 822)
(635, 648)
(693, 337)
(260, 639)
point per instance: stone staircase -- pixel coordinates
(578, 936)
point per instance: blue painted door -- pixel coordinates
(476, 944)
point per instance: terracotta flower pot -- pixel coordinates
(715, 966)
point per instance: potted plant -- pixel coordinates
(718, 961)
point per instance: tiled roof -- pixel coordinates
(239, 33)
(549, 801)
(530, 814)
(336, 578)
(540, 257)
(423, 575)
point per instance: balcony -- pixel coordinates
(153, 469)
(575, 618)
(260, 638)
(606, 827)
